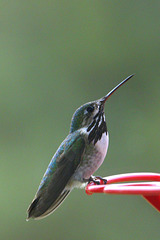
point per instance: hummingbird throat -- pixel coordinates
(97, 127)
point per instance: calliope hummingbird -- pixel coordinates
(77, 158)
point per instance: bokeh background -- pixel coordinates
(55, 56)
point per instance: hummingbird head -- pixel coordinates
(84, 115)
(91, 116)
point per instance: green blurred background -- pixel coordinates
(55, 56)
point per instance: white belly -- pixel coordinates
(92, 160)
(102, 146)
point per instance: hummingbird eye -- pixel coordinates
(90, 109)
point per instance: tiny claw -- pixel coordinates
(95, 181)
(92, 179)
(102, 179)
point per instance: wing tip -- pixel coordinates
(32, 209)
(36, 214)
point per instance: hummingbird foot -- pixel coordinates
(96, 179)
(102, 179)
(92, 179)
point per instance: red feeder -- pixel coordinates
(150, 189)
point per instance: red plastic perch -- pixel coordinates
(150, 189)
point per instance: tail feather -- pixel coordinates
(33, 211)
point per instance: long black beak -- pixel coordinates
(103, 99)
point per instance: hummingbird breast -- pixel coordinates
(93, 157)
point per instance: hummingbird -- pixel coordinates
(77, 158)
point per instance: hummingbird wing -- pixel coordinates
(52, 190)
